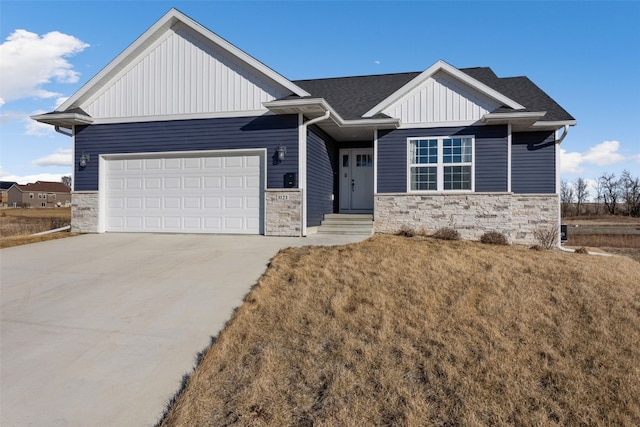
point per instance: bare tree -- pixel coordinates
(598, 198)
(630, 192)
(610, 192)
(66, 180)
(566, 196)
(582, 194)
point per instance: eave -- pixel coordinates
(336, 126)
(65, 120)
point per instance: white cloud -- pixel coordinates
(603, 154)
(34, 128)
(62, 157)
(60, 101)
(26, 179)
(28, 61)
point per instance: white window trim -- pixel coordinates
(441, 165)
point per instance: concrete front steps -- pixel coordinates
(347, 224)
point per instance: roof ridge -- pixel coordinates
(360, 76)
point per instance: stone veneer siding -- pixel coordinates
(531, 211)
(515, 215)
(84, 211)
(284, 212)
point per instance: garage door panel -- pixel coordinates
(134, 164)
(191, 183)
(133, 183)
(212, 162)
(172, 183)
(214, 194)
(154, 183)
(172, 202)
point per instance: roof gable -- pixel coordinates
(168, 69)
(447, 78)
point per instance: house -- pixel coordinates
(4, 186)
(184, 132)
(41, 194)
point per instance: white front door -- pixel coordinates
(356, 180)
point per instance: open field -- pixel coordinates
(17, 225)
(416, 331)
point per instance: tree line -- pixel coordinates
(613, 195)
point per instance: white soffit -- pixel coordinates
(416, 84)
(176, 30)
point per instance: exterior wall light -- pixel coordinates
(84, 159)
(282, 150)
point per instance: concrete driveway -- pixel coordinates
(99, 329)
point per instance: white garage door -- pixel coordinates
(185, 194)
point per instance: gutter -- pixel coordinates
(302, 159)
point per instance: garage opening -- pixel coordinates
(216, 192)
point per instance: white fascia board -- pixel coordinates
(149, 37)
(324, 106)
(63, 119)
(192, 116)
(429, 125)
(297, 103)
(453, 71)
(513, 116)
(554, 124)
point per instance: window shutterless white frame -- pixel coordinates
(440, 165)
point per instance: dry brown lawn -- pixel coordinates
(413, 331)
(18, 225)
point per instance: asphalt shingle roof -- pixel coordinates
(45, 187)
(351, 97)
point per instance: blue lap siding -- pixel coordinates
(490, 156)
(321, 174)
(189, 135)
(533, 162)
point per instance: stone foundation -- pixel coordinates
(84, 211)
(532, 211)
(284, 212)
(472, 214)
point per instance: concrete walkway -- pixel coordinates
(98, 330)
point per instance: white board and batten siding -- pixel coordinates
(177, 193)
(183, 73)
(440, 99)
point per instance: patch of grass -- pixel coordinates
(8, 242)
(21, 222)
(605, 240)
(396, 331)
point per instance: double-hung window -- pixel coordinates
(441, 164)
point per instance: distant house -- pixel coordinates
(42, 194)
(184, 132)
(4, 186)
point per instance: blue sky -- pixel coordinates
(585, 55)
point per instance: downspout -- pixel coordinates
(59, 130)
(564, 134)
(558, 166)
(302, 158)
